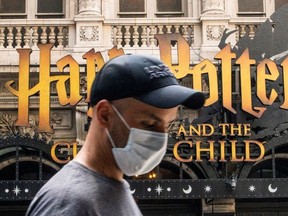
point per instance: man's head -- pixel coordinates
(134, 100)
(144, 78)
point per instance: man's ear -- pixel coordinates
(102, 111)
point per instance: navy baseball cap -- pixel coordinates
(144, 78)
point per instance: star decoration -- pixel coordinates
(207, 188)
(16, 190)
(252, 188)
(159, 189)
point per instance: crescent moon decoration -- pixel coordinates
(132, 191)
(188, 191)
(272, 190)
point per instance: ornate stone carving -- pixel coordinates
(213, 6)
(83, 84)
(89, 33)
(90, 7)
(215, 32)
(8, 127)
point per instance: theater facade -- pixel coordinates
(228, 158)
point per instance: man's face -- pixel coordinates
(141, 116)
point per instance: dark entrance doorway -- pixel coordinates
(25, 165)
(13, 208)
(271, 207)
(171, 207)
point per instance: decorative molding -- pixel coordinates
(213, 6)
(89, 33)
(83, 84)
(215, 32)
(60, 120)
(8, 128)
(90, 6)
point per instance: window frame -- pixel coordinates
(169, 13)
(51, 15)
(15, 15)
(150, 11)
(134, 14)
(252, 13)
(276, 8)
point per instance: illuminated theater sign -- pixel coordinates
(180, 70)
(236, 148)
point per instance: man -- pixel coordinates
(134, 99)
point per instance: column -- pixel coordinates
(214, 20)
(90, 7)
(89, 25)
(213, 6)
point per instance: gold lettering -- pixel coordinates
(236, 128)
(201, 130)
(96, 60)
(245, 80)
(226, 56)
(209, 149)
(182, 68)
(75, 96)
(181, 131)
(43, 87)
(262, 76)
(206, 67)
(53, 152)
(246, 130)
(176, 154)
(23, 92)
(223, 128)
(248, 143)
(284, 64)
(196, 131)
(207, 129)
(74, 149)
(222, 151)
(234, 152)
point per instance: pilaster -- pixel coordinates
(89, 25)
(214, 20)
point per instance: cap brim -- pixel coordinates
(172, 96)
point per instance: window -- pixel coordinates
(132, 8)
(160, 8)
(250, 8)
(280, 3)
(169, 8)
(12, 9)
(50, 9)
(16, 9)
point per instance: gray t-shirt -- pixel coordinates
(76, 190)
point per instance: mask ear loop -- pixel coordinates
(110, 138)
(120, 116)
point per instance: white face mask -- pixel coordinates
(143, 152)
